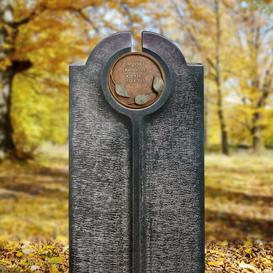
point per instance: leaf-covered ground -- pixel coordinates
(239, 215)
(34, 216)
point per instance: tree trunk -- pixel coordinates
(224, 134)
(256, 134)
(223, 128)
(6, 141)
(206, 121)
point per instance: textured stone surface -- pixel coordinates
(174, 170)
(100, 169)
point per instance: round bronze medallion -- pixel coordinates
(136, 80)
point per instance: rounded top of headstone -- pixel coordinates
(136, 80)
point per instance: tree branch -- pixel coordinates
(87, 19)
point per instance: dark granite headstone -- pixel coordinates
(136, 160)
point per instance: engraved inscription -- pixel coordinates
(135, 72)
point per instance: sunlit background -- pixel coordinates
(234, 41)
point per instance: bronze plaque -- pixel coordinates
(136, 80)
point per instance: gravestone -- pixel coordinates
(136, 159)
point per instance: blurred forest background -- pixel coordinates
(234, 41)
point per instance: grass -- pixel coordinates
(239, 197)
(239, 214)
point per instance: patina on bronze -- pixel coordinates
(136, 80)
